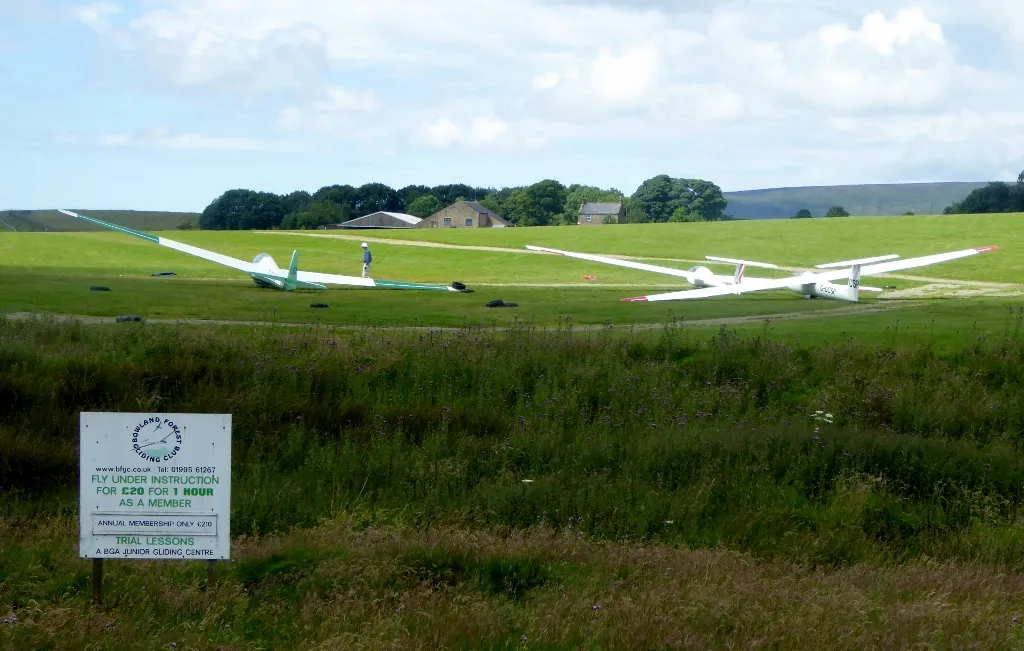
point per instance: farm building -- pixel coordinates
(464, 214)
(601, 213)
(380, 219)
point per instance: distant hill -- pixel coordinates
(51, 220)
(859, 200)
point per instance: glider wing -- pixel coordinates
(619, 263)
(212, 256)
(756, 285)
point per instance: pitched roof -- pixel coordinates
(412, 220)
(596, 208)
(490, 213)
(408, 219)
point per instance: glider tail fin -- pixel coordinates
(737, 276)
(293, 272)
(853, 284)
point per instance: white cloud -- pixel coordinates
(96, 15)
(333, 112)
(546, 80)
(443, 133)
(480, 132)
(164, 138)
(626, 79)
(881, 34)
(767, 81)
(487, 130)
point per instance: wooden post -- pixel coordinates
(211, 572)
(97, 581)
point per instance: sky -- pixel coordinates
(153, 105)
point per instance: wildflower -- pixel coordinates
(527, 481)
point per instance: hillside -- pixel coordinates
(51, 220)
(863, 200)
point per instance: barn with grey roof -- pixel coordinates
(380, 219)
(601, 213)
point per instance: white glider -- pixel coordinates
(265, 272)
(806, 283)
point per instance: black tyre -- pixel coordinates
(318, 305)
(128, 317)
(95, 288)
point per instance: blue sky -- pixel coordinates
(164, 105)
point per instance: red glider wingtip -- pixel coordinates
(986, 248)
(635, 299)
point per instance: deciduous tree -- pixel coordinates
(661, 197)
(425, 206)
(317, 214)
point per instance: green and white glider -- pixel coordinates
(265, 272)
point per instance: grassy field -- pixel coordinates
(53, 220)
(52, 272)
(788, 242)
(537, 490)
(538, 487)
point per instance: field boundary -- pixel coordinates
(733, 320)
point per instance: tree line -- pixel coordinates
(995, 197)
(546, 203)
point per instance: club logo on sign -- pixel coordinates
(156, 440)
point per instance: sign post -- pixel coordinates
(155, 487)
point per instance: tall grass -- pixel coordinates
(828, 455)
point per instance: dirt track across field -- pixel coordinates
(936, 285)
(736, 320)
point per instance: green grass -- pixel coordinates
(117, 254)
(344, 585)
(52, 220)
(468, 489)
(626, 432)
(787, 242)
(172, 298)
(52, 273)
(426, 489)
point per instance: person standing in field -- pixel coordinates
(367, 259)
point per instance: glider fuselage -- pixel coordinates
(704, 277)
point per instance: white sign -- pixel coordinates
(155, 486)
